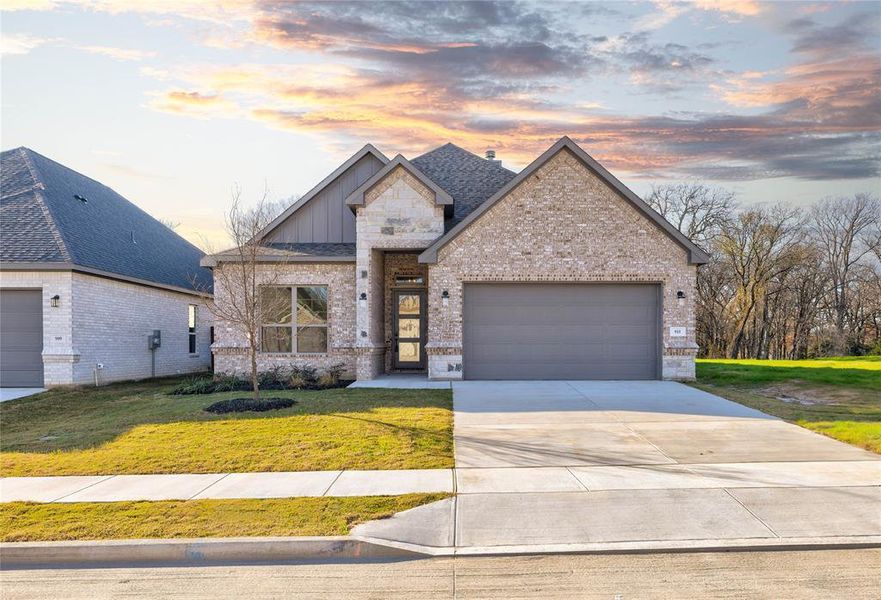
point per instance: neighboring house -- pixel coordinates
(85, 279)
(452, 265)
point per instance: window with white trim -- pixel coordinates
(285, 330)
(191, 327)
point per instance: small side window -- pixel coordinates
(191, 327)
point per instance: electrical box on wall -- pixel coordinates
(154, 340)
(677, 332)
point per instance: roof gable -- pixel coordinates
(695, 254)
(299, 205)
(96, 228)
(441, 197)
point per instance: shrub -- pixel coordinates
(235, 405)
(304, 377)
(194, 385)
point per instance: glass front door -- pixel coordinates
(409, 329)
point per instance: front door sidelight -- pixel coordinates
(409, 329)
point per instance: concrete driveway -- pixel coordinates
(582, 465)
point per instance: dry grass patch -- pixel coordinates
(28, 522)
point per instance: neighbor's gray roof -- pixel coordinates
(467, 177)
(43, 224)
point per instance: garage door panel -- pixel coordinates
(561, 331)
(21, 338)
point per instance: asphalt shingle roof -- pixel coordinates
(467, 177)
(42, 220)
(342, 250)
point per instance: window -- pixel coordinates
(284, 329)
(191, 327)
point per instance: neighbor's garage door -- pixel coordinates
(561, 331)
(21, 338)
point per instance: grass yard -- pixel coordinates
(838, 397)
(27, 522)
(138, 427)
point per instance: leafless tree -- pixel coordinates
(760, 246)
(846, 231)
(240, 274)
(698, 211)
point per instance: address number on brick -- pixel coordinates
(677, 332)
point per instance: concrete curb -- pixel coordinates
(24, 555)
(196, 551)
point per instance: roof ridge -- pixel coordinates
(497, 164)
(36, 175)
(27, 151)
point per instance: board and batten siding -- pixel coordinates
(325, 217)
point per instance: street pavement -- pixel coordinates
(805, 575)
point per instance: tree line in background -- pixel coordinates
(782, 282)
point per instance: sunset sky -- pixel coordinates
(172, 103)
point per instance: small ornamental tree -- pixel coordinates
(242, 272)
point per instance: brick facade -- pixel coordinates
(564, 224)
(399, 213)
(231, 345)
(106, 321)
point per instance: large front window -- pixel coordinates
(284, 329)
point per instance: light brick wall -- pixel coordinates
(59, 352)
(111, 324)
(230, 343)
(399, 213)
(562, 224)
(101, 320)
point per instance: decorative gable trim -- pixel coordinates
(367, 149)
(441, 197)
(696, 256)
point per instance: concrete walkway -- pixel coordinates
(117, 488)
(16, 393)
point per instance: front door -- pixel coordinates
(409, 329)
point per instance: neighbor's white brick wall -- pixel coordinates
(59, 352)
(101, 320)
(111, 322)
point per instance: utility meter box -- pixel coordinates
(154, 340)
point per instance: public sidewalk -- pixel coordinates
(118, 488)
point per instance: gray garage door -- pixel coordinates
(561, 331)
(21, 338)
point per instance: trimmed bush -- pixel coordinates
(275, 379)
(235, 405)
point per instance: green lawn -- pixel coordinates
(22, 521)
(839, 397)
(140, 428)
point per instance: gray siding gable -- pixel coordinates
(321, 216)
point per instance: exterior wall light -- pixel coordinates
(680, 298)
(54, 300)
(445, 298)
(362, 299)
